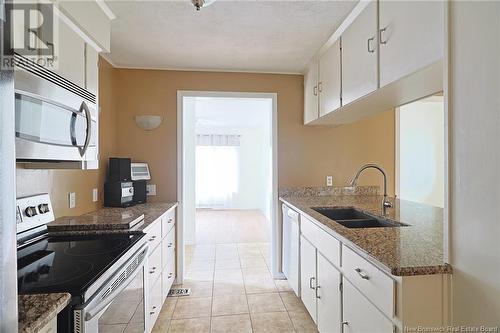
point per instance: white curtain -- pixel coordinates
(217, 170)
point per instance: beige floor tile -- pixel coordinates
(235, 323)
(229, 288)
(199, 289)
(262, 303)
(114, 328)
(199, 276)
(168, 307)
(228, 275)
(260, 285)
(274, 322)
(283, 285)
(221, 264)
(229, 305)
(200, 265)
(292, 302)
(161, 326)
(188, 307)
(257, 272)
(193, 325)
(252, 262)
(302, 322)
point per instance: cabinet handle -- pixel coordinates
(363, 275)
(170, 275)
(317, 296)
(346, 323)
(152, 271)
(311, 279)
(169, 244)
(169, 221)
(381, 40)
(369, 44)
(320, 86)
(315, 91)
(152, 238)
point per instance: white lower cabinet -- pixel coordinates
(308, 276)
(328, 296)
(360, 316)
(320, 293)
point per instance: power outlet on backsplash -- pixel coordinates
(329, 181)
(72, 200)
(151, 189)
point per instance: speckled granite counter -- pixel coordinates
(413, 250)
(113, 219)
(37, 310)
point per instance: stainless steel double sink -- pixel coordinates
(354, 218)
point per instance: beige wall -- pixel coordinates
(59, 183)
(305, 154)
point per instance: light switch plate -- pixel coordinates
(151, 189)
(329, 181)
(95, 195)
(72, 200)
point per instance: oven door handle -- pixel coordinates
(95, 306)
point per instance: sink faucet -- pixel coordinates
(385, 203)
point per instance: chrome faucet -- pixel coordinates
(385, 203)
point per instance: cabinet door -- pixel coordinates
(328, 295)
(70, 55)
(308, 276)
(411, 37)
(360, 315)
(91, 69)
(311, 111)
(329, 80)
(359, 56)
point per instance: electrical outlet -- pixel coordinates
(329, 181)
(95, 195)
(72, 200)
(151, 189)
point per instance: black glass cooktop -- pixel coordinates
(70, 263)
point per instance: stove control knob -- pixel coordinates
(43, 208)
(30, 211)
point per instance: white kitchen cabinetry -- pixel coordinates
(311, 111)
(91, 69)
(411, 37)
(69, 51)
(308, 276)
(360, 56)
(329, 80)
(328, 296)
(360, 316)
(160, 236)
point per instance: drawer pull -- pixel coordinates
(169, 220)
(152, 271)
(363, 275)
(346, 323)
(311, 279)
(170, 244)
(170, 275)
(153, 312)
(152, 238)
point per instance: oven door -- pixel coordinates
(120, 305)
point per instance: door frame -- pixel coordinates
(275, 227)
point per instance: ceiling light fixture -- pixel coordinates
(201, 3)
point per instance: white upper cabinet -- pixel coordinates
(70, 55)
(311, 111)
(411, 37)
(359, 56)
(329, 80)
(91, 69)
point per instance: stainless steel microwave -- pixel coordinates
(56, 120)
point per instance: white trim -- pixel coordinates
(106, 10)
(275, 227)
(396, 152)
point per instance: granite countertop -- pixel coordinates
(416, 249)
(37, 310)
(113, 219)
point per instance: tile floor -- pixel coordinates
(231, 286)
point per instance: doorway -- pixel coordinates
(227, 181)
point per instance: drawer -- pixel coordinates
(168, 248)
(328, 245)
(167, 222)
(153, 235)
(372, 282)
(168, 276)
(155, 301)
(154, 266)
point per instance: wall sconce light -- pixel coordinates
(148, 123)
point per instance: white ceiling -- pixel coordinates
(236, 35)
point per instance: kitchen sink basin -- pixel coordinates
(354, 218)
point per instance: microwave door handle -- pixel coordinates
(72, 129)
(88, 116)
